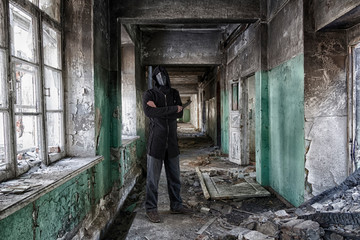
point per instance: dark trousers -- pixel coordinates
(172, 170)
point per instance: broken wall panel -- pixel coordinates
(325, 106)
(187, 10)
(180, 47)
(328, 11)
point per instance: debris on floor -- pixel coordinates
(227, 184)
(250, 218)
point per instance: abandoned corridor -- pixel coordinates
(273, 83)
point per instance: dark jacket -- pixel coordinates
(163, 124)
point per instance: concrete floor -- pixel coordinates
(226, 215)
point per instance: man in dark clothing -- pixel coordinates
(162, 105)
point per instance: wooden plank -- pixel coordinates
(206, 225)
(210, 186)
(202, 183)
(222, 190)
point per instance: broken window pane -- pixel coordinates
(3, 80)
(26, 88)
(27, 138)
(2, 23)
(52, 47)
(4, 137)
(51, 7)
(22, 34)
(53, 89)
(54, 132)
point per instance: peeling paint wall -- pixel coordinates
(325, 107)
(128, 90)
(84, 205)
(76, 208)
(79, 75)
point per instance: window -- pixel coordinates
(31, 100)
(235, 96)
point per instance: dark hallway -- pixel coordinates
(275, 99)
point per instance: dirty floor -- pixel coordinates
(211, 219)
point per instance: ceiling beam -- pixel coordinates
(186, 11)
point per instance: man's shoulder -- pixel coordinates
(174, 90)
(149, 91)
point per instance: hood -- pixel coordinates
(164, 73)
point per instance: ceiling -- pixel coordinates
(186, 78)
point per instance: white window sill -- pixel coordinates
(126, 140)
(17, 193)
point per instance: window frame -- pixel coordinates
(40, 18)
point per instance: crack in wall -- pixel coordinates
(34, 219)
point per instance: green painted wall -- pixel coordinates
(281, 157)
(52, 215)
(62, 209)
(186, 115)
(224, 121)
(18, 225)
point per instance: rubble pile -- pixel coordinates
(333, 215)
(283, 225)
(344, 202)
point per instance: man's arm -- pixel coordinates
(156, 112)
(178, 114)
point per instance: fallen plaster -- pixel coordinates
(325, 159)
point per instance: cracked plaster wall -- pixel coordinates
(79, 75)
(325, 107)
(128, 90)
